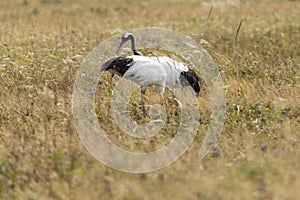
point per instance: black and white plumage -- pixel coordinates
(139, 69)
(176, 71)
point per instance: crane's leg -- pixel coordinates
(110, 81)
(143, 90)
(160, 90)
(110, 94)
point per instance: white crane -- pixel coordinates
(176, 71)
(146, 71)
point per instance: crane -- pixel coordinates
(151, 70)
(176, 71)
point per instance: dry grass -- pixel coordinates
(41, 156)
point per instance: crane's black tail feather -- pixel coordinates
(190, 78)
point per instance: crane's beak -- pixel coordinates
(120, 46)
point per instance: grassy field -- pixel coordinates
(42, 43)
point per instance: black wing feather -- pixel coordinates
(118, 65)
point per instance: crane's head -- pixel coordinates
(125, 37)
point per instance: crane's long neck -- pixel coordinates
(133, 47)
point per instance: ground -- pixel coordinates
(254, 43)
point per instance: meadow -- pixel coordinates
(254, 43)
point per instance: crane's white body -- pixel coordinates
(146, 71)
(168, 62)
(160, 71)
(152, 68)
